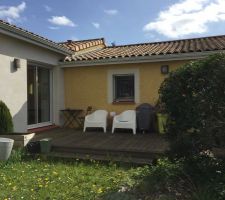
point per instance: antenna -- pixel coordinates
(113, 43)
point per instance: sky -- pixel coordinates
(118, 21)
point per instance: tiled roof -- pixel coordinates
(20, 31)
(205, 44)
(84, 44)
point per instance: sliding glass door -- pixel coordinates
(39, 95)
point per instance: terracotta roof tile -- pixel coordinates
(212, 43)
(84, 44)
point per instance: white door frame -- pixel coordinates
(42, 124)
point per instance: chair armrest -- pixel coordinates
(116, 118)
(88, 117)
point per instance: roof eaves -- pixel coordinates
(24, 35)
(139, 59)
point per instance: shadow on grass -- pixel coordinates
(195, 179)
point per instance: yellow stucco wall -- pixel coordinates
(86, 86)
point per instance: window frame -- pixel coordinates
(122, 72)
(123, 99)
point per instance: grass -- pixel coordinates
(40, 178)
(197, 178)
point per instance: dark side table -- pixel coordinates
(71, 117)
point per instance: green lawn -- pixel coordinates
(40, 178)
(196, 178)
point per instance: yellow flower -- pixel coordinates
(55, 173)
(99, 190)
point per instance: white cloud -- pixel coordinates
(61, 21)
(47, 8)
(188, 17)
(111, 12)
(11, 13)
(96, 25)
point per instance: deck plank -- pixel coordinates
(76, 141)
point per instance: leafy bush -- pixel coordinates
(165, 179)
(207, 176)
(6, 124)
(198, 178)
(194, 97)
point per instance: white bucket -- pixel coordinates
(6, 146)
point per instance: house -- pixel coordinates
(40, 77)
(118, 78)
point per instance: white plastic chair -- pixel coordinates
(97, 119)
(126, 120)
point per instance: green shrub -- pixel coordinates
(166, 177)
(6, 124)
(194, 98)
(207, 176)
(201, 177)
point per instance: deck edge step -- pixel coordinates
(102, 158)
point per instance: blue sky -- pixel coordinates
(119, 21)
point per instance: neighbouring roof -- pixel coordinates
(206, 44)
(82, 45)
(17, 32)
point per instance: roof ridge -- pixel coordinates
(78, 53)
(102, 38)
(166, 41)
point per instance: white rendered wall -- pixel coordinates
(17, 48)
(13, 91)
(13, 84)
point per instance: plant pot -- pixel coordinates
(6, 146)
(162, 121)
(20, 139)
(33, 147)
(46, 145)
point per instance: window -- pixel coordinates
(123, 85)
(123, 90)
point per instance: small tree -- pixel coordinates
(6, 124)
(194, 97)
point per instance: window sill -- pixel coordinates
(123, 102)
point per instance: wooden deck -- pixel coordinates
(140, 148)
